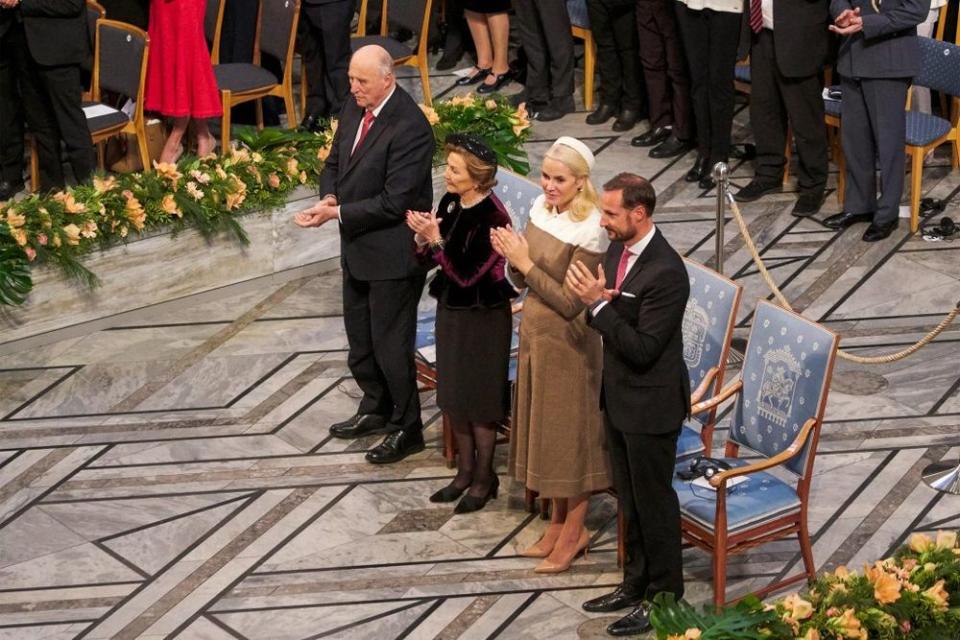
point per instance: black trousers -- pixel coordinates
(325, 45)
(381, 322)
(51, 105)
(710, 40)
(664, 66)
(776, 99)
(873, 131)
(11, 118)
(544, 27)
(614, 26)
(642, 467)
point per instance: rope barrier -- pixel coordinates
(782, 299)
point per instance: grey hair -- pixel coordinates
(378, 56)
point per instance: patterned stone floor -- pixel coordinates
(172, 476)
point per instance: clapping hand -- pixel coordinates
(848, 22)
(318, 214)
(426, 225)
(589, 288)
(512, 246)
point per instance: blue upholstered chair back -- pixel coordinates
(578, 13)
(786, 376)
(940, 66)
(708, 322)
(517, 195)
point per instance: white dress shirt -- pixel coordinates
(766, 10)
(635, 250)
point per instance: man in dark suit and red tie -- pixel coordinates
(379, 167)
(636, 302)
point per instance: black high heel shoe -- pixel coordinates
(469, 503)
(448, 494)
(501, 80)
(481, 74)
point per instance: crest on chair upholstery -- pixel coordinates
(786, 371)
(708, 320)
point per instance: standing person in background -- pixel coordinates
(878, 58)
(622, 91)
(325, 42)
(489, 25)
(711, 33)
(474, 321)
(556, 438)
(788, 48)
(48, 41)
(180, 81)
(668, 85)
(636, 303)
(379, 167)
(544, 27)
(11, 115)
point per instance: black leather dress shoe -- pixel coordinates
(672, 146)
(634, 623)
(498, 83)
(707, 182)
(395, 447)
(450, 58)
(10, 189)
(362, 424)
(698, 170)
(756, 189)
(603, 113)
(808, 204)
(613, 601)
(876, 232)
(652, 137)
(556, 109)
(626, 120)
(475, 78)
(312, 122)
(844, 220)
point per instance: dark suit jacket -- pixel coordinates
(887, 46)
(646, 387)
(801, 36)
(389, 174)
(56, 31)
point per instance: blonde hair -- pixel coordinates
(586, 201)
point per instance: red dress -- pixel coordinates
(180, 79)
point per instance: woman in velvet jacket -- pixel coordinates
(474, 324)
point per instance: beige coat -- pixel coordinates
(556, 440)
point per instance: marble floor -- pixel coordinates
(171, 475)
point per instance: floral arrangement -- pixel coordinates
(503, 127)
(206, 194)
(914, 595)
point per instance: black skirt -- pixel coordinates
(487, 6)
(473, 357)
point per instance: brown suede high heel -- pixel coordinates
(561, 565)
(543, 547)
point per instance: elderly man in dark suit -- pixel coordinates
(378, 169)
(878, 58)
(636, 302)
(48, 41)
(788, 47)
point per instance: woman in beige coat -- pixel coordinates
(556, 440)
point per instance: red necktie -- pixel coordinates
(622, 267)
(756, 16)
(368, 119)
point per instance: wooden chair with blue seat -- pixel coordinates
(780, 400)
(708, 324)
(411, 14)
(580, 28)
(241, 82)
